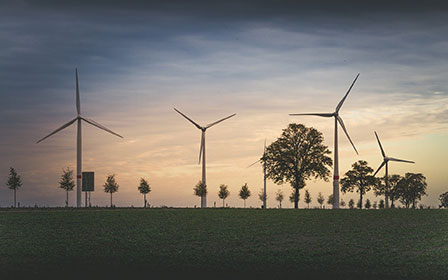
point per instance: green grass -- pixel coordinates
(353, 244)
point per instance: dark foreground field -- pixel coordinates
(224, 243)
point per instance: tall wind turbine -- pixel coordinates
(264, 174)
(78, 119)
(202, 149)
(386, 160)
(337, 119)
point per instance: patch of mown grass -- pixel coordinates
(361, 244)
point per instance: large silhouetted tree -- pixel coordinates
(67, 182)
(111, 186)
(244, 193)
(144, 188)
(223, 193)
(412, 187)
(14, 183)
(394, 192)
(296, 156)
(358, 178)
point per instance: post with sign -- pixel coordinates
(88, 184)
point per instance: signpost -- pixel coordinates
(88, 184)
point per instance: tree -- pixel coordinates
(320, 199)
(307, 198)
(374, 205)
(381, 205)
(244, 193)
(359, 177)
(330, 200)
(67, 182)
(144, 188)
(14, 183)
(292, 196)
(296, 156)
(443, 200)
(367, 205)
(110, 186)
(223, 193)
(351, 203)
(200, 189)
(262, 196)
(342, 203)
(412, 187)
(279, 197)
(394, 191)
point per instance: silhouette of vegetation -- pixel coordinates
(443, 200)
(144, 188)
(110, 186)
(279, 197)
(307, 198)
(360, 178)
(342, 203)
(296, 156)
(292, 196)
(320, 199)
(330, 200)
(412, 187)
(244, 193)
(67, 182)
(375, 205)
(262, 195)
(394, 192)
(200, 189)
(351, 203)
(381, 204)
(223, 193)
(367, 205)
(14, 183)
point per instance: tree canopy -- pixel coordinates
(412, 187)
(394, 192)
(200, 189)
(279, 197)
(67, 182)
(296, 156)
(144, 187)
(223, 193)
(358, 178)
(244, 193)
(443, 200)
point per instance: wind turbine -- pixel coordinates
(386, 160)
(264, 174)
(337, 119)
(202, 148)
(78, 119)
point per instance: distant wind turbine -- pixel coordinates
(202, 148)
(78, 118)
(386, 160)
(337, 119)
(264, 173)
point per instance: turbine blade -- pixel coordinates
(212, 124)
(329, 115)
(100, 126)
(57, 130)
(197, 125)
(345, 96)
(346, 133)
(379, 143)
(202, 147)
(254, 163)
(400, 160)
(78, 102)
(381, 166)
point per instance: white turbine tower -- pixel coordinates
(79, 118)
(337, 119)
(264, 174)
(386, 160)
(202, 149)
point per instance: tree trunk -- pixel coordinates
(360, 200)
(110, 200)
(244, 203)
(296, 198)
(144, 200)
(391, 203)
(15, 201)
(66, 199)
(223, 203)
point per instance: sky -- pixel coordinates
(259, 59)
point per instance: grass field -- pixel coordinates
(304, 244)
